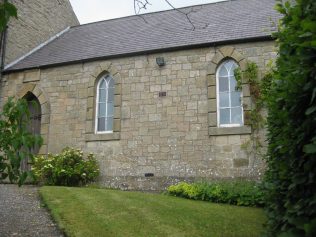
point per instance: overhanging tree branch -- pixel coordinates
(140, 5)
(184, 13)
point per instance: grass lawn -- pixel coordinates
(100, 212)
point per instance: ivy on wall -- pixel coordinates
(254, 116)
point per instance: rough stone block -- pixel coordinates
(214, 131)
(89, 126)
(240, 163)
(211, 92)
(245, 90)
(43, 150)
(164, 133)
(117, 112)
(212, 106)
(246, 103)
(237, 56)
(32, 75)
(218, 57)
(211, 80)
(202, 107)
(212, 119)
(117, 125)
(126, 112)
(42, 99)
(243, 65)
(25, 89)
(91, 92)
(211, 68)
(227, 51)
(153, 148)
(117, 100)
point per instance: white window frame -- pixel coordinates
(218, 98)
(97, 106)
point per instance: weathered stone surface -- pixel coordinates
(37, 22)
(33, 75)
(227, 51)
(241, 163)
(215, 131)
(211, 92)
(173, 136)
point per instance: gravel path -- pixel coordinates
(21, 213)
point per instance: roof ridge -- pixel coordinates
(150, 13)
(36, 48)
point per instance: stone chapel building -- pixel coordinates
(153, 96)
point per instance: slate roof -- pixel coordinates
(215, 24)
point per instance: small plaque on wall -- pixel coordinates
(162, 93)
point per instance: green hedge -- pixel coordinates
(290, 181)
(241, 193)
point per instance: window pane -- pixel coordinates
(111, 94)
(223, 71)
(109, 124)
(237, 115)
(228, 65)
(110, 81)
(110, 109)
(224, 99)
(233, 83)
(102, 95)
(235, 99)
(223, 84)
(231, 71)
(224, 115)
(102, 84)
(101, 124)
(101, 110)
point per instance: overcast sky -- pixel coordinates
(97, 10)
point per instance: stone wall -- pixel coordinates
(37, 22)
(166, 136)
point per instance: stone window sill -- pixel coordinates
(103, 137)
(215, 131)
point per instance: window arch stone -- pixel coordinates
(223, 53)
(101, 70)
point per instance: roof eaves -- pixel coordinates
(212, 44)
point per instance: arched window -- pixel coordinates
(105, 105)
(229, 104)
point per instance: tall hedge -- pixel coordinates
(290, 180)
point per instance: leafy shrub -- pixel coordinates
(290, 180)
(241, 193)
(16, 142)
(68, 168)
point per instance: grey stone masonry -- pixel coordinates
(174, 137)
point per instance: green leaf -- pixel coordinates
(310, 148)
(307, 34)
(310, 110)
(310, 228)
(22, 178)
(7, 10)
(313, 96)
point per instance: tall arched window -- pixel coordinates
(105, 105)
(229, 104)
